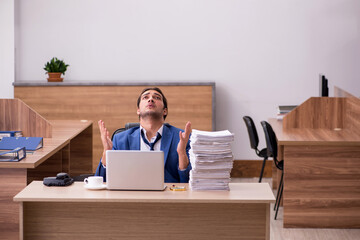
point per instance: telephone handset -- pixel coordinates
(61, 179)
(62, 175)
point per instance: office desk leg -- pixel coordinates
(12, 181)
(21, 221)
(81, 153)
(267, 236)
(276, 174)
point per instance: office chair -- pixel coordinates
(271, 144)
(127, 126)
(254, 142)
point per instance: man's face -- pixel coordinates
(151, 105)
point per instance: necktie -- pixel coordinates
(151, 145)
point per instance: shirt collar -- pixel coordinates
(160, 131)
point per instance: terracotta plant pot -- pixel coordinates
(55, 77)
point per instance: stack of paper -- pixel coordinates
(282, 110)
(211, 160)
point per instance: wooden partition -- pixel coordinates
(339, 92)
(116, 104)
(332, 113)
(352, 113)
(15, 115)
(352, 110)
(320, 144)
(317, 112)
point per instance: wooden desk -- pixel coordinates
(321, 176)
(63, 212)
(69, 150)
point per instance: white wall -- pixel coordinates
(260, 53)
(7, 48)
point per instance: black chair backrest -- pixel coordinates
(131, 125)
(271, 142)
(254, 139)
(127, 126)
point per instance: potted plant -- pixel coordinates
(54, 68)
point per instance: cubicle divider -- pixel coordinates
(316, 113)
(352, 111)
(15, 115)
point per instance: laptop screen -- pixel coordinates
(134, 170)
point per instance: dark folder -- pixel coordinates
(30, 143)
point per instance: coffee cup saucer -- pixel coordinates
(103, 186)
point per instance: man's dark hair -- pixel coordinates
(155, 89)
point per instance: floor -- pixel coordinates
(277, 232)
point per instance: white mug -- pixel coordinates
(94, 181)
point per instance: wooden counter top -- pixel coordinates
(63, 131)
(239, 193)
(107, 83)
(303, 136)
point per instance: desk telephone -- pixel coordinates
(61, 179)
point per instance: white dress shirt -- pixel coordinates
(144, 146)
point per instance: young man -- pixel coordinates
(152, 134)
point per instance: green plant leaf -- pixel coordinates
(56, 65)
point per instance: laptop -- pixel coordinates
(135, 170)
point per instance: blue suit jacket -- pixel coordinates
(130, 140)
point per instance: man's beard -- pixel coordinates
(151, 115)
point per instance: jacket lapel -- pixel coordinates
(134, 140)
(166, 140)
